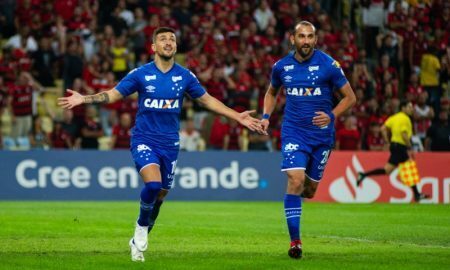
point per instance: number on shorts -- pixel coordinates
(325, 155)
(174, 165)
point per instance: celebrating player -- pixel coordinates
(161, 86)
(309, 77)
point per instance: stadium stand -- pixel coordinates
(389, 50)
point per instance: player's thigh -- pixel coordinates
(296, 176)
(317, 163)
(151, 173)
(147, 162)
(168, 165)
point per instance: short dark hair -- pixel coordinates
(162, 30)
(404, 103)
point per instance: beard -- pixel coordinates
(305, 51)
(166, 57)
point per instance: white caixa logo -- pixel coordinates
(287, 68)
(342, 187)
(290, 147)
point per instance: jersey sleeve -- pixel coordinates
(275, 77)
(388, 122)
(129, 84)
(194, 88)
(337, 78)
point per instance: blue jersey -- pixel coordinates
(309, 87)
(160, 101)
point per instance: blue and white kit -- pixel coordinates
(309, 87)
(155, 137)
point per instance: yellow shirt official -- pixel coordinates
(399, 123)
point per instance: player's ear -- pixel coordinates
(291, 39)
(153, 47)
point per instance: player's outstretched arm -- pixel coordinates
(270, 100)
(243, 118)
(76, 98)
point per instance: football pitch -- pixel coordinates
(224, 235)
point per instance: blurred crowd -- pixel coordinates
(388, 50)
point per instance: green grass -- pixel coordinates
(223, 235)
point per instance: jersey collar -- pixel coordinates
(307, 60)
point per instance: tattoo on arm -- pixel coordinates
(97, 98)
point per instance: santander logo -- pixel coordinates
(344, 189)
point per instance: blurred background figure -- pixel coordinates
(190, 138)
(121, 134)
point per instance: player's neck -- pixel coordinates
(164, 65)
(302, 59)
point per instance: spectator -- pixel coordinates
(44, 60)
(429, 77)
(73, 65)
(190, 138)
(262, 15)
(234, 138)
(374, 140)
(22, 40)
(438, 135)
(349, 137)
(59, 138)
(423, 115)
(38, 138)
(91, 130)
(69, 126)
(121, 133)
(219, 129)
(21, 102)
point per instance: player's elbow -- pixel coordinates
(352, 100)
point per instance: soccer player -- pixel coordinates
(161, 86)
(309, 78)
(401, 129)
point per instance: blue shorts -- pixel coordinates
(303, 156)
(147, 154)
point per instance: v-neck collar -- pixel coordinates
(160, 71)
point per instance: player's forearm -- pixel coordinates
(269, 103)
(105, 97)
(213, 104)
(99, 98)
(346, 102)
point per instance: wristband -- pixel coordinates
(266, 116)
(331, 115)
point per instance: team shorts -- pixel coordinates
(304, 156)
(166, 158)
(399, 153)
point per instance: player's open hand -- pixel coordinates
(265, 125)
(71, 101)
(321, 119)
(250, 122)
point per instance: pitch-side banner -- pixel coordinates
(97, 175)
(339, 182)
